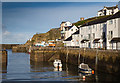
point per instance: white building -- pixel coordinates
(73, 40)
(113, 32)
(67, 29)
(62, 27)
(70, 30)
(92, 34)
(108, 11)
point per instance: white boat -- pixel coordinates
(84, 68)
(57, 63)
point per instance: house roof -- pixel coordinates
(69, 27)
(96, 40)
(96, 21)
(77, 32)
(117, 39)
(63, 22)
(114, 7)
(69, 38)
(84, 40)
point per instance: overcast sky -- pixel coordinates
(22, 20)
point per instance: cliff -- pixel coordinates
(50, 35)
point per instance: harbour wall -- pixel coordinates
(3, 59)
(107, 61)
(101, 60)
(8, 46)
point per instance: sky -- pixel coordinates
(60, 0)
(21, 20)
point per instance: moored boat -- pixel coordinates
(84, 68)
(57, 63)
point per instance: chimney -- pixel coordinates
(82, 18)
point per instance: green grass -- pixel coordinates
(88, 20)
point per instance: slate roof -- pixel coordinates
(77, 32)
(117, 39)
(117, 15)
(99, 20)
(114, 7)
(84, 40)
(69, 38)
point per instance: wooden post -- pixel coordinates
(79, 57)
(116, 46)
(96, 60)
(67, 56)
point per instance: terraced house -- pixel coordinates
(97, 32)
(113, 31)
(108, 11)
(93, 33)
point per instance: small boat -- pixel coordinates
(29, 51)
(57, 63)
(84, 68)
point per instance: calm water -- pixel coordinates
(20, 68)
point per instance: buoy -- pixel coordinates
(83, 77)
(92, 71)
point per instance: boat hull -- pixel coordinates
(85, 71)
(57, 66)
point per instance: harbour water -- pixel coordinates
(21, 69)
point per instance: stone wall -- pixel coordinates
(100, 60)
(3, 60)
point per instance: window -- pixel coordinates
(88, 36)
(115, 23)
(110, 34)
(81, 36)
(103, 35)
(111, 22)
(100, 27)
(104, 25)
(66, 24)
(71, 29)
(93, 35)
(76, 29)
(93, 26)
(112, 11)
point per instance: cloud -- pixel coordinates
(12, 38)
(6, 33)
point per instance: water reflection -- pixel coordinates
(57, 69)
(20, 68)
(3, 70)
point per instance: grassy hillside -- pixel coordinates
(50, 35)
(88, 20)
